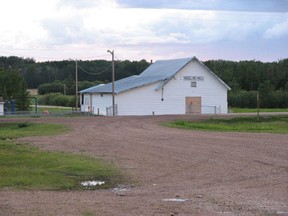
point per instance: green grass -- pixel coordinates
(12, 130)
(53, 109)
(249, 110)
(25, 167)
(272, 124)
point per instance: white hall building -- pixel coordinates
(178, 86)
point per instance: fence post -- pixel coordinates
(12, 102)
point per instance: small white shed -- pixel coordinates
(1, 108)
(178, 86)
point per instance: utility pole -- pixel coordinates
(64, 86)
(258, 105)
(76, 79)
(113, 80)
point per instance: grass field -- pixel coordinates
(249, 110)
(25, 167)
(272, 124)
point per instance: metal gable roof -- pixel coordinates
(165, 68)
(158, 71)
(122, 85)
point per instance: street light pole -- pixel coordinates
(76, 87)
(113, 80)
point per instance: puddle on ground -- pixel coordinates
(92, 183)
(280, 213)
(175, 200)
(120, 189)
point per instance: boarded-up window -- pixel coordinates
(194, 84)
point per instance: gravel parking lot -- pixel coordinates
(172, 171)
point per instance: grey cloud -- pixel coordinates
(231, 5)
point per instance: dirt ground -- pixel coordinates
(172, 171)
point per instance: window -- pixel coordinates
(82, 99)
(194, 84)
(86, 100)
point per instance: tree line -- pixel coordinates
(249, 78)
(246, 78)
(36, 73)
(248, 75)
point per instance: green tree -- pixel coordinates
(267, 95)
(22, 97)
(12, 85)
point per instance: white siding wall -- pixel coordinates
(139, 101)
(100, 103)
(96, 103)
(211, 90)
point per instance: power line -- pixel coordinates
(93, 73)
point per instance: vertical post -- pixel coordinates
(64, 86)
(5, 106)
(36, 105)
(258, 104)
(12, 103)
(113, 80)
(76, 80)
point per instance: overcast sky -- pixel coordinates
(145, 29)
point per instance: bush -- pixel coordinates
(243, 99)
(22, 125)
(46, 88)
(57, 99)
(267, 99)
(58, 87)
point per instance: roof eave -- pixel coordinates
(228, 88)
